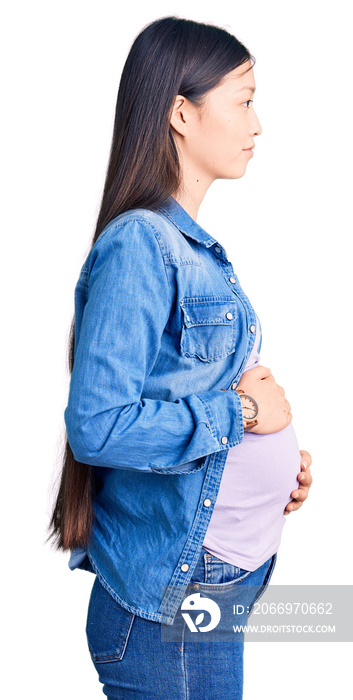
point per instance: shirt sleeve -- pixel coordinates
(117, 344)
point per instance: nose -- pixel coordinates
(256, 126)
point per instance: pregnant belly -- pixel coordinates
(261, 471)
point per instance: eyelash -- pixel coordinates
(248, 101)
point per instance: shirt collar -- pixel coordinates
(185, 223)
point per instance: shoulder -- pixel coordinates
(140, 222)
(129, 238)
(135, 235)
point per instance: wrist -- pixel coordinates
(250, 410)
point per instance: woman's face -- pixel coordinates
(216, 135)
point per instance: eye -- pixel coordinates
(244, 103)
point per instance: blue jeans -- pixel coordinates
(134, 663)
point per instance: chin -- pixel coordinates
(233, 175)
(234, 170)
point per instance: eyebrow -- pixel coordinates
(252, 89)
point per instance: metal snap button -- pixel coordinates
(224, 440)
(185, 567)
(232, 280)
(234, 386)
(218, 249)
(252, 329)
(207, 502)
(229, 316)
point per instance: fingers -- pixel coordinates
(301, 494)
(262, 372)
(287, 410)
(298, 497)
(305, 478)
(290, 507)
(306, 460)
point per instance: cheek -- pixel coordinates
(217, 143)
(226, 140)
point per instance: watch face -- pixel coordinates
(249, 406)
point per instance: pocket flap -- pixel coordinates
(208, 327)
(204, 311)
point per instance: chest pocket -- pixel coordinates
(208, 327)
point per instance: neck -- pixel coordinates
(192, 190)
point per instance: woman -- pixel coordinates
(181, 456)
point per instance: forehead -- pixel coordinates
(240, 78)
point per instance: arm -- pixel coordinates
(107, 422)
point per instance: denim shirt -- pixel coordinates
(162, 325)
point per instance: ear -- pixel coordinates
(178, 117)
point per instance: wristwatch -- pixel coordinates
(250, 410)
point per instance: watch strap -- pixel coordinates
(248, 424)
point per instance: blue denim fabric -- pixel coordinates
(133, 660)
(161, 326)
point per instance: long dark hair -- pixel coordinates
(169, 57)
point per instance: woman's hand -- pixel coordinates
(274, 409)
(305, 478)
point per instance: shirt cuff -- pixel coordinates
(225, 416)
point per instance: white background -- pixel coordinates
(286, 226)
